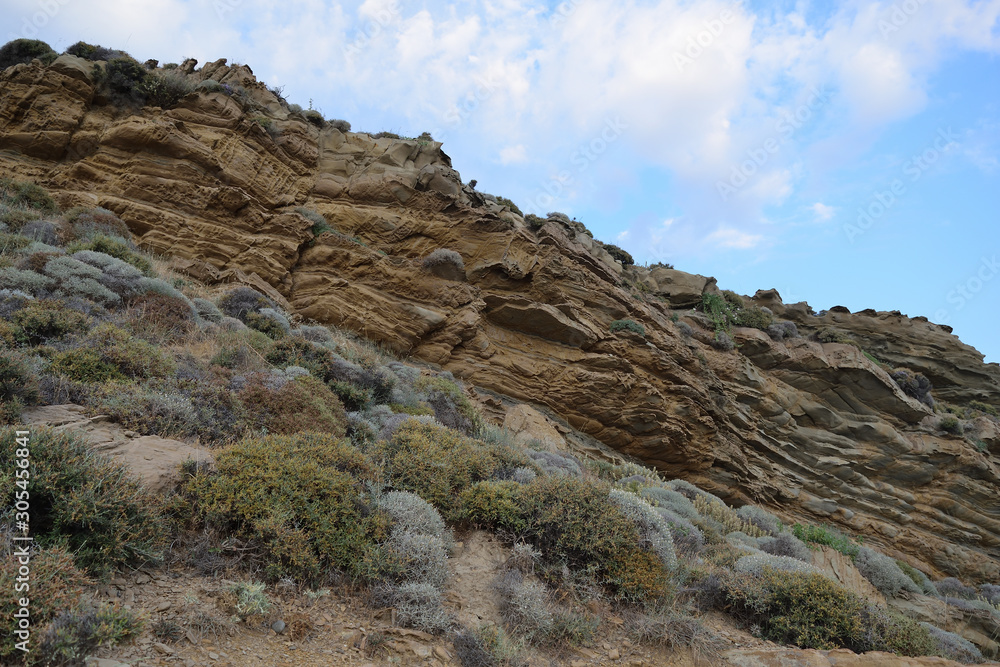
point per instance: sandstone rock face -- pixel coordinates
(816, 432)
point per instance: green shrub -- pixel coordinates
(621, 255)
(811, 611)
(296, 499)
(290, 406)
(75, 634)
(87, 366)
(827, 536)
(984, 407)
(25, 194)
(132, 357)
(533, 221)
(494, 505)
(56, 585)
(44, 320)
(242, 300)
(913, 384)
(87, 223)
(832, 335)
(24, 51)
(450, 404)
(503, 201)
(628, 325)
(165, 90)
(438, 463)
(159, 317)
(243, 350)
(94, 52)
(754, 317)
(84, 501)
(114, 247)
(951, 425)
(123, 77)
(18, 385)
(883, 573)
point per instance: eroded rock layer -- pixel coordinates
(817, 432)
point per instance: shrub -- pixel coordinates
(168, 317)
(165, 90)
(44, 320)
(94, 52)
(754, 317)
(412, 512)
(445, 264)
(132, 357)
(42, 231)
(913, 384)
(785, 544)
(617, 253)
(495, 505)
(450, 404)
(27, 195)
(56, 585)
(919, 578)
(653, 528)
(294, 498)
(811, 611)
(782, 330)
(438, 464)
(756, 562)
(551, 463)
(883, 573)
(269, 322)
(320, 223)
(18, 385)
(421, 558)
(242, 300)
(24, 51)
(953, 647)
(290, 406)
(761, 518)
(671, 500)
(952, 587)
(114, 247)
(123, 78)
(984, 407)
(627, 325)
(86, 366)
(77, 633)
(732, 522)
(419, 606)
(251, 600)
(576, 522)
(470, 650)
(86, 223)
(827, 536)
(688, 538)
(951, 425)
(207, 310)
(503, 201)
(533, 221)
(678, 630)
(522, 605)
(75, 278)
(723, 342)
(85, 501)
(336, 123)
(832, 335)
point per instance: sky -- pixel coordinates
(842, 153)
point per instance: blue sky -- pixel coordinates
(843, 153)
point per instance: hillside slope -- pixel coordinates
(816, 431)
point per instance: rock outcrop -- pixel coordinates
(817, 432)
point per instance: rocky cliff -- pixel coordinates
(816, 431)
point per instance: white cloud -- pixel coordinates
(513, 154)
(822, 211)
(728, 237)
(622, 236)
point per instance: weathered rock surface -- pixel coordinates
(156, 461)
(814, 431)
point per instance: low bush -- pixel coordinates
(761, 518)
(755, 563)
(94, 52)
(503, 201)
(44, 320)
(113, 247)
(295, 499)
(718, 511)
(494, 505)
(678, 630)
(438, 464)
(26, 195)
(919, 578)
(653, 528)
(914, 385)
(76, 633)
(412, 512)
(242, 300)
(269, 322)
(783, 330)
(754, 317)
(811, 611)
(953, 588)
(132, 357)
(953, 647)
(451, 406)
(287, 406)
(951, 425)
(785, 544)
(445, 263)
(827, 536)
(627, 325)
(85, 502)
(419, 606)
(18, 385)
(320, 224)
(87, 223)
(22, 50)
(883, 573)
(163, 318)
(621, 255)
(165, 90)
(723, 342)
(522, 606)
(832, 335)
(56, 585)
